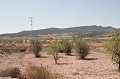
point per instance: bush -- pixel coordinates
(82, 48)
(36, 47)
(10, 72)
(35, 72)
(112, 46)
(54, 49)
(10, 48)
(66, 47)
(74, 40)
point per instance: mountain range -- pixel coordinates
(93, 30)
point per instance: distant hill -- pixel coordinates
(82, 30)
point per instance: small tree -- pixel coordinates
(66, 47)
(36, 47)
(82, 48)
(54, 49)
(113, 46)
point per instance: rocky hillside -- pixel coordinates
(93, 30)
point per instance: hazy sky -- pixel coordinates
(14, 14)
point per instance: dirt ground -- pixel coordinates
(97, 65)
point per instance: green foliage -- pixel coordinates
(113, 45)
(66, 47)
(36, 47)
(82, 48)
(35, 72)
(10, 72)
(74, 40)
(54, 49)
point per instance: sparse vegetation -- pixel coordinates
(11, 40)
(113, 46)
(54, 49)
(36, 47)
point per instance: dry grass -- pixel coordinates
(35, 72)
(10, 72)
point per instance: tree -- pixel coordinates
(66, 47)
(82, 48)
(113, 46)
(36, 47)
(54, 49)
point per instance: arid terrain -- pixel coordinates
(59, 39)
(97, 64)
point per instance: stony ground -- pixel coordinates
(97, 65)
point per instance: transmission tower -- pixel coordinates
(31, 24)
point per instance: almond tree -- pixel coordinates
(54, 49)
(36, 47)
(66, 47)
(82, 48)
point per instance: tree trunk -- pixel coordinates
(37, 55)
(119, 66)
(82, 57)
(55, 59)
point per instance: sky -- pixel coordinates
(15, 14)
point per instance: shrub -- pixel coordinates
(6, 50)
(113, 46)
(35, 72)
(66, 47)
(82, 48)
(74, 40)
(10, 48)
(10, 72)
(54, 49)
(36, 47)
